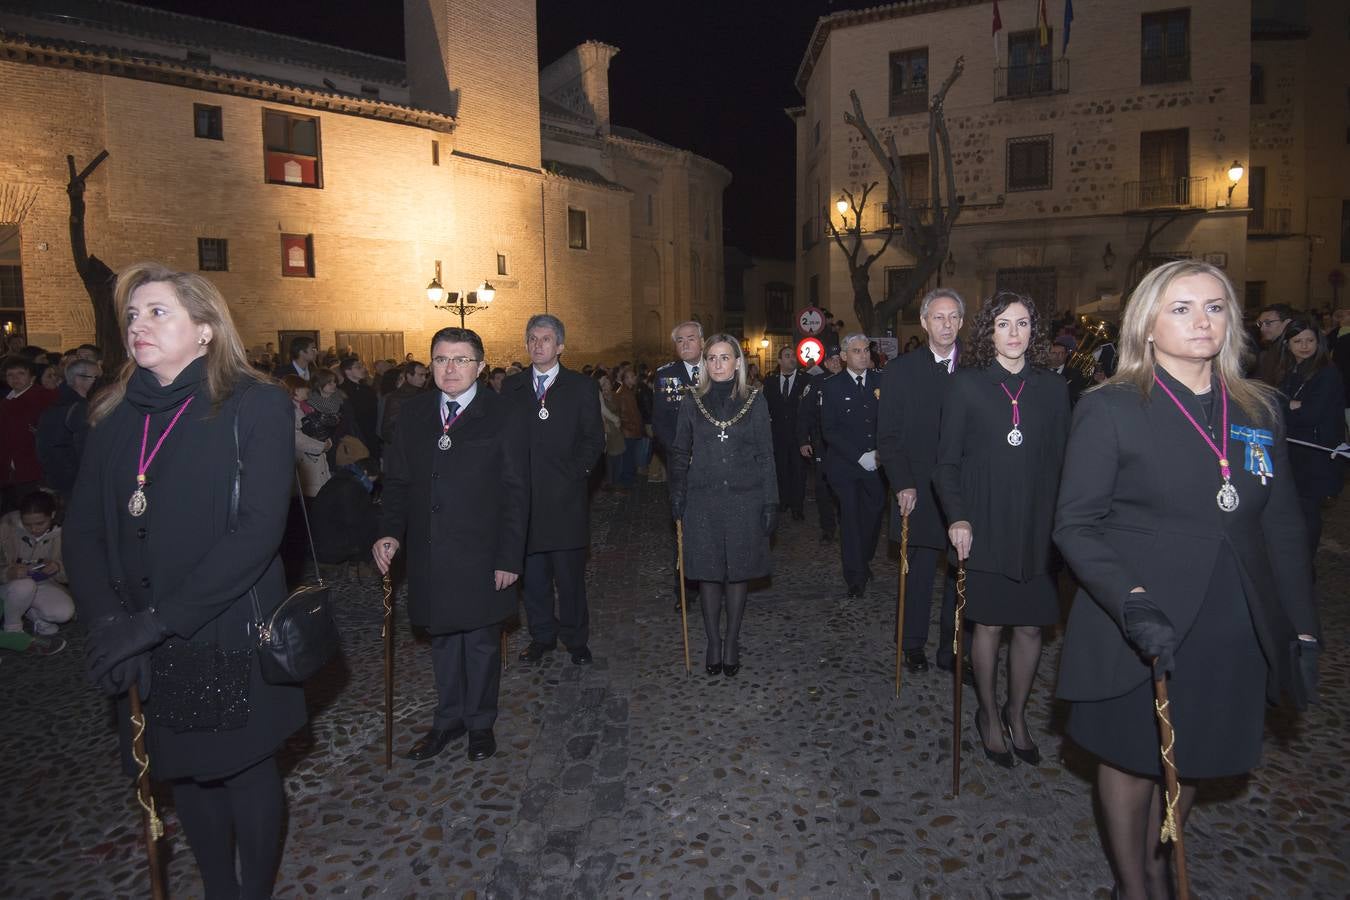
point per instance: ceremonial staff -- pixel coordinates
(684, 616)
(387, 632)
(154, 827)
(900, 599)
(957, 643)
(1171, 822)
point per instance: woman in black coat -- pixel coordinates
(1004, 423)
(1314, 411)
(164, 579)
(723, 487)
(1178, 516)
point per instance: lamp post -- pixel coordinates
(465, 303)
(842, 206)
(1234, 176)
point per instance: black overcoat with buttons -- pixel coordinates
(724, 487)
(563, 449)
(912, 390)
(181, 559)
(460, 514)
(848, 421)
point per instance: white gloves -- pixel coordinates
(868, 460)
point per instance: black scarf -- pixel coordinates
(719, 401)
(146, 395)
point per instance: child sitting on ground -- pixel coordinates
(32, 576)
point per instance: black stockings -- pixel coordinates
(1024, 655)
(1131, 810)
(240, 812)
(711, 595)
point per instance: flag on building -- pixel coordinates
(998, 26)
(1068, 20)
(1043, 24)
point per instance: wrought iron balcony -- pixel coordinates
(1269, 221)
(1183, 192)
(1031, 80)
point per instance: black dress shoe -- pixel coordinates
(434, 742)
(581, 656)
(855, 592)
(714, 669)
(536, 651)
(730, 669)
(1004, 759)
(482, 744)
(1030, 756)
(916, 660)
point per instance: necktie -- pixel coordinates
(451, 407)
(539, 388)
(859, 379)
(695, 375)
(944, 365)
(787, 385)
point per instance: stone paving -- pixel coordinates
(802, 777)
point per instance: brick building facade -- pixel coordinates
(320, 187)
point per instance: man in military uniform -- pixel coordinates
(848, 420)
(672, 383)
(810, 443)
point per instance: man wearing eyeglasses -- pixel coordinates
(457, 495)
(1271, 321)
(64, 425)
(562, 411)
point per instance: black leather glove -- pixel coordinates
(113, 641)
(133, 670)
(768, 518)
(1150, 632)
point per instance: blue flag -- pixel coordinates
(1068, 20)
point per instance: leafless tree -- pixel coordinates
(99, 280)
(859, 261)
(928, 241)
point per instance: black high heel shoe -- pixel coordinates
(1004, 759)
(1030, 756)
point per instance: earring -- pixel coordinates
(202, 341)
(1150, 338)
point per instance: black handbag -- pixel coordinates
(319, 425)
(297, 638)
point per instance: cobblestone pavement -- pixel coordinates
(802, 777)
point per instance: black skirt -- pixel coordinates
(995, 599)
(1217, 693)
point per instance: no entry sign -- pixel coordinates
(810, 351)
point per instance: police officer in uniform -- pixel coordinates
(848, 420)
(673, 382)
(810, 443)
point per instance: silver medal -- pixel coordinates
(1015, 437)
(444, 442)
(1227, 498)
(137, 504)
(543, 413)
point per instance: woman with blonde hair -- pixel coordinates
(1178, 515)
(723, 488)
(164, 559)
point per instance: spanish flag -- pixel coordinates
(1043, 24)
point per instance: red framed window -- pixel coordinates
(292, 149)
(297, 255)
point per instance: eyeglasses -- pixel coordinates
(1266, 323)
(459, 362)
(90, 377)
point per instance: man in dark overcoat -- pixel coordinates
(810, 442)
(783, 394)
(848, 420)
(561, 409)
(457, 494)
(673, 381)
(909, 413)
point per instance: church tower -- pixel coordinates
(478, 60)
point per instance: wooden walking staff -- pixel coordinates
(684, 614)
(900, 598)
(387, 632)
(1171, 823)
(154, 827)
(957, 645)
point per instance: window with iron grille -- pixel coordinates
(1165, 47)
(1030, 163)
(213, 254)
(292, 149)
(577, 236)
(909, 81)
(206, 122)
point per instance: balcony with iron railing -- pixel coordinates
(1270, 221)
(1031, 80)
(1182, 192)
(909, 100)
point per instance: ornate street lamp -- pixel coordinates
(465, 303)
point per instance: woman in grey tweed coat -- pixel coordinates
(723, 488)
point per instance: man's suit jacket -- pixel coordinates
(563, 448)
(671, 381)
(910, 413)
(783, 410)
(848, 420)
(460, 513)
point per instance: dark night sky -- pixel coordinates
(712, 76)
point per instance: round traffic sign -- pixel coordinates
(810, 351)
(811, 321)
